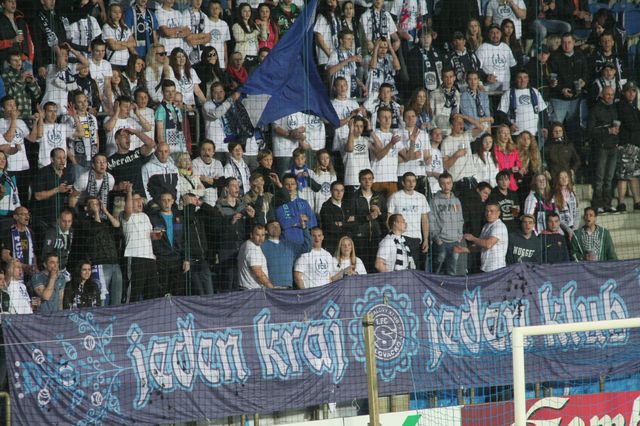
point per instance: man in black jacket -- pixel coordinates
(195, 248)
(629, 151)
(604, 128)
(335, 218)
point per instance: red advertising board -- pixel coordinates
(615, 408)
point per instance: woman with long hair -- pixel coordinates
(326, 31)
(157, 70)
(82, 291)
(265, 19)
(118, 37)
(560, 153)
(210, 71)
(349, 21)
(133, 73)
(485, 164)
(346, 259)
(509, 38)
(530, 161)
(539, 202)
(218, 25)
(566, 201)
(246, 34)
(419, 102)
(186, 79)
(324, 174)
(474, 35)
(507, 155)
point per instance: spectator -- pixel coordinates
(607, 77)
(574, 12)
(530, 162)
(473, 34)
(295, 213)
(97, 182)
(100, 68)
(560, 153)
(209, 169)
(82, 149)
(485, 164)
(138, 248)
(160, 174)
(548, 22)
(49, 285)
(51, 190)
(436, 164)
(15, 35)
(337, 221)
(96, 242)
(510, 39)
(237, 168)
(20, 301)
(629, 146)
(376, 24)
(514, 10)
(445, 100)
(472, 203)
(383, 67)
(604, 137)
(474, 102)
(89, 86)
(54, 135)
(126, 164)
(463, 61)
(384, 99)
(143, 24)
(571, 72)
(220, 35)
(8, 190)
(414, 152)
(199, 32)
(265, 167)
(606, 54)
(317, 267)
(394, 254)
(59, 239)
(419, 102)
(425, 63)
(216, 116)
(324, 175)
(456, 153)
(347, 109)
(18, 242)
(385, 154)
(496, 59)
(492, 243)
(508, 200)
(539, 202)
(210, 68)
(554, 242)
(288, 134)
(346, 260)
(345, 62)
(567, 202)
(261, 201)
(157, 70)
(121, 118)
(185, 78)
(524, 245)
(253, 270)
(446, 223)
(118, 37)
(170, 120)
(196, 249)
(20, 83)
(188, 181)
(539, 70)
(48, 32)
(171, 28)
(507, 155)
(523, 107)
(356, 153)
(60, 79)
(246, 34)
(236, 70)
(82, 291)
(591, 241)
(281, 254)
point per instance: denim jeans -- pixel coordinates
(446, 261)
(543, 26)
(606, 159)
(112, 277)
(201, 283)
(568, 110)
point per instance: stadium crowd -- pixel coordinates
(130, 168)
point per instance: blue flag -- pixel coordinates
(288, 80)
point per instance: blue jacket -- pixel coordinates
(288, 215)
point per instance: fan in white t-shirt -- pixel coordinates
(252, 264)
(316, 267)
(55, 135)
(13, 283)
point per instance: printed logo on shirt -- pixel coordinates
(524, 99)
(292, 121)
(498, 61)
(215, 35)
(322, 266)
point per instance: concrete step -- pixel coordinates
(626, 237)
(627, 251)
(626, 221)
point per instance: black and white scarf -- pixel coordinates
(197, 27)
(450, 99)
(432, 68)
(103, 192)
(403, 254)
(479, 109)
(241, 172)
(45, 22)
(86, 146)
(142, 26)
(348, 71)
(379, 24)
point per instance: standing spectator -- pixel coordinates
(337, 221)
(61, 80)
(384, 99)
(508, 201)
(554, 242)
(281, 254)
(474, 202)
(59, 239)
(415, 210)
(143, 24)
(49, 286)
(492, 243)
(606, 55)
(121, 118)
(524, 245)
(457, 156)
(138, 248)
(186, 79)
(445, 228)
(196, 248)
(9, 191)
(96, 242)
(118, 37)
(261, 201)
(571, 72)
(48, 32)
(18, 297)
(436, 165)
(523, 107)
(209, 169)
(15, 35)
(347, 109)
(100, 68)
(560, 153)
(498, 11)
(246, 33)
(377, 23)
(415, 152)
(445, 100)
(383, 67)
(394, 254)
(237, 168)
(591, 241)
(82, 291)
(604, 136)
(288, 134)
(356, 152)
(83, 148)
(51, 190)
(253, 270)
(539, 203)
(170, 120)
(217, 112)
(188, 181)
(345, 62)
(510, 38)
(220, 34)
(385, 154)
(317, 267)
(496, 59)
(285, 13)
(539, 70)
(463, 62)
(160, 174)
(54, 135)
(126, 164)
(567, 202)
(97, 182)
(346, 260)
(530, 162)
(171, 28)
(295, 214)
(20, 83)
(18, 242)
(157, 71)
(629, 150)
(199, 32)
(507, 155)
(474, 102)
(484, 160)
(419, 102)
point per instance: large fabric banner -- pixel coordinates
(176, 359)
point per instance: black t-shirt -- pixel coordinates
(49, 209)
(506, 202)
(128, 167)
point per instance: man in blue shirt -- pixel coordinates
(281, 255)
(49, 284)
(295, 214)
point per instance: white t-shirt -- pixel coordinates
(485, 171)
(82, 182)
(116, 57)
(314, 131)
(137, 236)
(412, 207)
(316, 267)
(54, 136)
(323, 28)
(170, 19)
(214, 127)
(282, 146)
(495, 257)
(219, 36)
(82, 32)
(463, 167)
(388, 251)
(436, 166)
(526, 118)
(213, 170)
(149, 115)
(343, 110)
(346, 263)
(185, 86)
(499, 12)
(386, 169)
(20, 301)
(415, 166)
(121, 123)
(367, 23)
(497, 60)
(100, 72)
(356, 160)
(250, 255)
(16, 162)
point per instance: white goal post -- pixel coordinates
(518, 336)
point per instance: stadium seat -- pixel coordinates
(631, 21)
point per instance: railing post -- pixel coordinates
(372, 372)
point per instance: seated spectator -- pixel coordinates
(394, 254)
(82, 291)
(346, 260)
(425, 63)
(445, 100)
(385, 154)
(51, 190)
(82, 149)
(295, 213)
(524, 244)
(384, 99)
(485, 164)
(508, 201)
(604, 145)
(253, 270)
(474, 102)
(445, 229)
(496, 59)
(18, 242)
(567, 202)
(575, 12)
(49, 285)
(20, 83)
(58, 240)
(628, 168)
(317, 267)
(281, 254)
(492, 242)
(121, 119)
(337, 221)
(456, 153)
(560, 153)
(414, 152)
(507, 155)
(160, 174)
(523, 107)
(61, 80)
(138, 248)
(548, 22)
(555, 247)
(591, 241)
(539, 203)
(463, 61)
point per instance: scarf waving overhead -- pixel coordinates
(18, 250)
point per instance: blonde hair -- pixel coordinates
(181, 157)
(511, 146)
(352, 255)
(151, 62)
(557, 189)
(530, 157)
